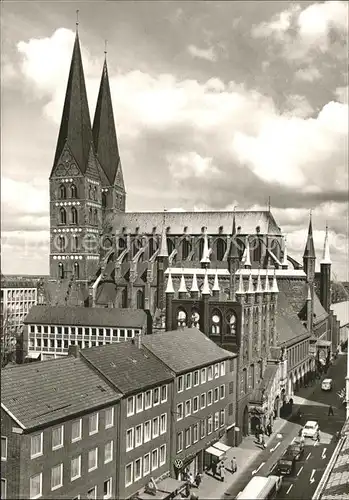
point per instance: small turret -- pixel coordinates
(326, 259)
(215, 289)
(163, 251)
(259, 288)
(182, 290)
(205, 259)
(325, 275)
(169, 287)
(206, 287)
(247, 260)
(274, 288)
(250, 284)
(309, 256)
(241, 288)
(169, 296)
(267, 284)
(194, 290)
(284, 263)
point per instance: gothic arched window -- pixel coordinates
(216, 322)
(95, 217)
(75, 243)
(220, 249)
(62, 216)
(61, 243)
(140, 299)
(62, 192)
(232, 325)
(124, 300)
(195, 319)
(185, 249)
(181, 318)
(152, 246)
(73, 191)
(90, 216)
(60, 271)
(121, 245)
(76, 270)
(201, 248)
(74, 216)
(90, 192)
(95, 193)
(240, 246)
(170, 246)
(104, 200)
(257, 249)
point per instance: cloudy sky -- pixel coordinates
(217, 104)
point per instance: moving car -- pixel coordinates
(311, 429)
(287, 463)
(296, 448)
(327, 384)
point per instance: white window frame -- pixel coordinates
(154, 391)
(4, 482)
(132, 431)
(180, 433)
(54, 488)
(216, 420)
(198, 404)
(210, 419)
(39, 494)
(140, 409)
(185, 438)
(111, 410)
(130, 482)
(88, 459)
(106, 461)
(131, 412)
(197, 427)
(90, 433)
(60, 445)
(198, 375)
(157, 459)
(190, 375)
(94, 491)
(203, 406)
(180, 381)
(156, 419)
(203, 375)
(72, 478)
(216, 391)
(108, 495)
(179, 413)
(207, 399)
(74, 440)
(220, 389)
(187, 404)
(162, 462)
(145, 473)
(163, 430)
(39, 453)
(146, 440)
(137, 444)
(5, 440)
(140, 469)
(146, 407)
(222, 368)
(216, 370)
(220, 414)
(166, 391)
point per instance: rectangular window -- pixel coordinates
(108, 451)
(147, 431)
(162, 454)
(216, 420)
(130, 406)
(57, 437)
(93, 459)
(188, 381)
(139, 435)
(76, 430)
(163, 394)
(216, 394)
(222, 368)
(56, 477)
(209, 398)
(154, 459)
(230, 409)
(222, 418)
(107, 488)
(92, 493)
(195, 433)
(3, 448)
(138, 469)
(180, 384)
(203, 375)
(188, 407)
(156, 396)
(129, 439)
(203, 428)
(35, 486)
(155, 427)
(195, 404)
(231, 387)
(179, 442)
(146, 464)
(209, 373)
(128, 474)
(109, 417)
(179, 411)
(203, 400)
(36, 445)
(163, 423)
(222, 391)
(196, 378)
(93, 424)
(188, 437)
(3, 489)
(216, 370)
(209, 425)
(139, 403)
(147, 400)
(75, 468)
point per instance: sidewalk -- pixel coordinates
(245, 454)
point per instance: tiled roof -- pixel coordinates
(128, 367)
(288, 324)
(185, 349)
(86, 316)
(195, 221)
(296, 291)
(106, 292)
(337, 486)
(43, 392)
(264, 385)
(341, 310)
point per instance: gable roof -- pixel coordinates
(341, 310)
(186, 349)
(127, 366)
(86, 316)
(40, 393)
(288, 324)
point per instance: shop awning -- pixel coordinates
(215, 451)
(323, 343)
(221, 447)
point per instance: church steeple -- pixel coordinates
(104, 133)
(309, 254)
(75, 130)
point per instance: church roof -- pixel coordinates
(288, 324)
(194, 222)
(309, 250)
(75, 130)
(104, 133)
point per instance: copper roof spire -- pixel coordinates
(309, 247)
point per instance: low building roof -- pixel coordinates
(288, 324)
(40, 393)
(336, 488)
(186, 349)
(341, 310)
(86, 316)
(129, 367)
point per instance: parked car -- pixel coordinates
(287, 463)
(327, 384)
(296, 448)
(311, 429)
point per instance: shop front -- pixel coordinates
(215, 454)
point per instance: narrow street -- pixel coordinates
(316, 456)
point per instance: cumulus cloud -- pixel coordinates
(308, 74)
(207, 54)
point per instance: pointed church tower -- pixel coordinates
(325, 275)
(233, 261)
(107, 149)
(309, 255)
(75, 186)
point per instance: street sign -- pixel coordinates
(178, 463)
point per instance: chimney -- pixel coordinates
(73, 350)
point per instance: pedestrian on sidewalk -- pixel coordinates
(198, 479)
(263, 443)
(234, 466)
(269, 429)
(214, 469)
(257, 433)
(330, 411)
(222, 470)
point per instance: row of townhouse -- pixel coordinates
(104, 422)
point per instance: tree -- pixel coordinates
(7, 340)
